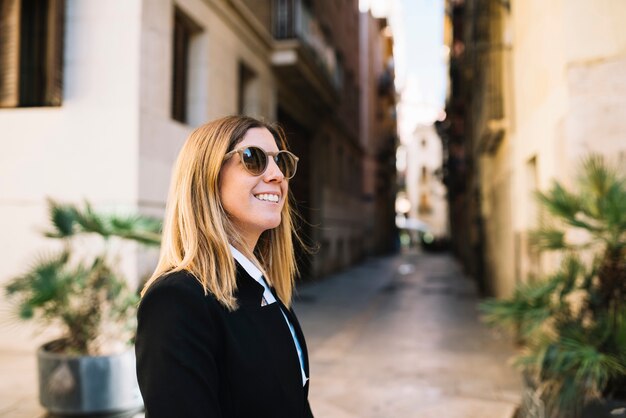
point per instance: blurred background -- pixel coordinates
(423, 128)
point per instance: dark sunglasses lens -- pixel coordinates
(255, 160)
(286, 163)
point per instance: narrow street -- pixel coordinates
(400, 337)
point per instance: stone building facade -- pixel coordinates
(378, 134)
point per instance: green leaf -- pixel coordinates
(90, 221)
(26, 311)
(63, 219)
(548, 238)
(560, 202)
(525, 312)
(572, 269)
(143, 229)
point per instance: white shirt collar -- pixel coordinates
(254, 272)
(247, 265)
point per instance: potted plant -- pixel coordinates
(91, 368)
(571, 325)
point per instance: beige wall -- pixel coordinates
(596, 78)
(566, 95)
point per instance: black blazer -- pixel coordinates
(196, 359)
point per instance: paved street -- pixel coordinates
(399, 337)
(394, 337)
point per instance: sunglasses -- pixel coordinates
(255, 160)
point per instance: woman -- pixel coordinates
(216, 335)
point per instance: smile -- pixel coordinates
(266, 197)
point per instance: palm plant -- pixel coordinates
(572, 324)
(81, 292)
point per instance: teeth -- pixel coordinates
(267, 197)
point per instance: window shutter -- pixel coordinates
(9, 52)
(54, 53)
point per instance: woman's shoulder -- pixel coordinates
(176, 286)
(175, 306)
(181, 279)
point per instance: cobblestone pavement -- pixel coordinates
(400, 337)
(394, 337)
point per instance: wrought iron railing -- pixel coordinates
(293, 19)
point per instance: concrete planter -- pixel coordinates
(86, 385)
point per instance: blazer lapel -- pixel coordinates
(299, 334)
(249, 292)
(271, 328)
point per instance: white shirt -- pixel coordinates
(257, 275)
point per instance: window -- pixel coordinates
(185, 32)
(31, 52)
(246, 91)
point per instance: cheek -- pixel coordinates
(228, 192)
(235, 194)
(285, 189)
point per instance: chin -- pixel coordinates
(271, 224)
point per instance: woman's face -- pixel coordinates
(245, 197)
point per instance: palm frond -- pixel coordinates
(91, 221)
(596, 177)
(603, 196)
(571, 270)
(143, 229)
(614, 206)
(560, 202)
(525, 311)
(63, 219)
(43, 283)
(548, 238)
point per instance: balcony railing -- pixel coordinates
(293, 19)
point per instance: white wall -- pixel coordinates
(113, 141)
(428, 155)
(85, 149)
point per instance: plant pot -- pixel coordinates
(534, 407)
(605, 409)
(86, 385)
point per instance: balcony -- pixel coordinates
(302, 56)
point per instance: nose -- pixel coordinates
(272, 172)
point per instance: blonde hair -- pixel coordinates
(197, 229)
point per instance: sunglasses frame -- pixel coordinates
(240, 151)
